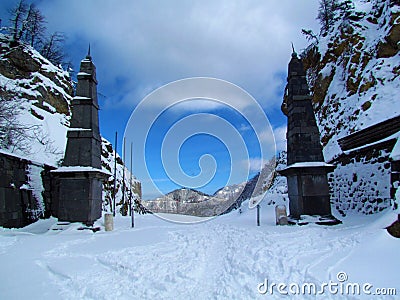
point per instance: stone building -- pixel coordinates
(25, 188)
(366, 177)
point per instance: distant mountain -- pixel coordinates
(188, 202)
(192, 202)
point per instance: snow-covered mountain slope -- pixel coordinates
(189, 202)
(224, 200)
(353, 70)
(127, 189)
(277, 194)
(40, 94)
(255, 187)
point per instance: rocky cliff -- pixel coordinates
(353, 71)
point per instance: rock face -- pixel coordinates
(353, 70)
(353, 73)
(127, 186)
(34, 78)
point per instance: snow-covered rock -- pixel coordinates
(353, 73)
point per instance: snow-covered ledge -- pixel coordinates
(307, 164)
(80, 169)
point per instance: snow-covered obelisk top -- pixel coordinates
(306, 171)
(84, 142)
(79, 192)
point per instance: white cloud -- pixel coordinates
(150, 43)
(280, 138)
(244, 128)
(254, 164)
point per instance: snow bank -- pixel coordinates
(223, 258)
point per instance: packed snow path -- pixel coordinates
(225, 258)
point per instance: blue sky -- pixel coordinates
(140, 46)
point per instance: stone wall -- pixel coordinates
(395, 180)
(362, 179)
(23, 199)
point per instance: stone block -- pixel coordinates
(281, 215)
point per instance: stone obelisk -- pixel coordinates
(306, 170)
(78, 197)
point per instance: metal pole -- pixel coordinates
(132, 211)
(130, 185)
(123, 175)
(115, 171)
(258, 214)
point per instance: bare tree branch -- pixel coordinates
(52, 48)
(17, 15)
(34, 27)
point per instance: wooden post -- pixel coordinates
(115, 171)
(258, 214)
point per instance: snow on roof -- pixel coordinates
(5, 152)
(393, 136)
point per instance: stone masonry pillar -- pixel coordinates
(79, 192)
(306, 170)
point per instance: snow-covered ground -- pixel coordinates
(227, 257)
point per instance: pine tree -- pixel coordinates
(326, 13)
